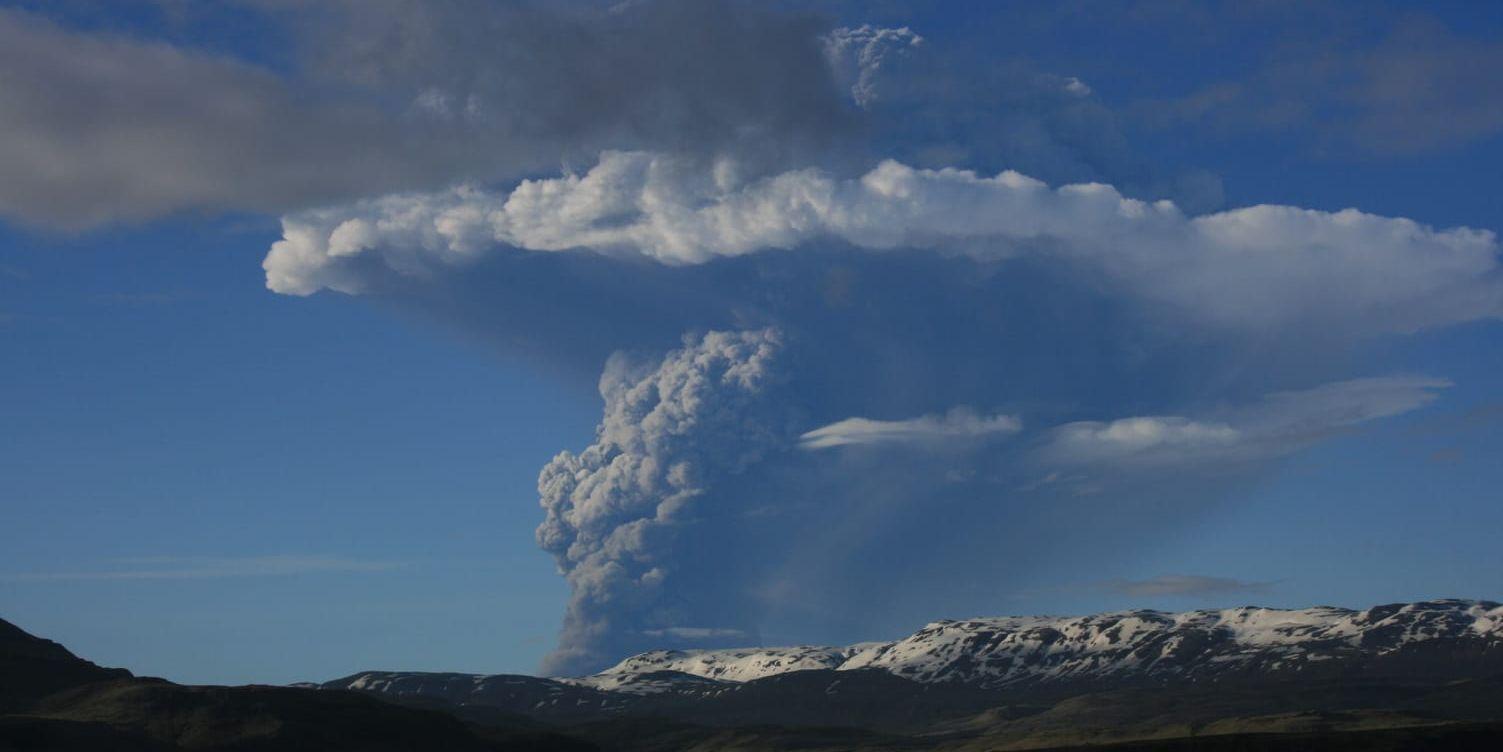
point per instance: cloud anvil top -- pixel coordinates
(1256, 267)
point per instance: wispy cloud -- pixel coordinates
(959, 424)
(695, 633)
(1185, 585)
(198, 568)
(1475, 418)
(1426, 87)
(1279, 424)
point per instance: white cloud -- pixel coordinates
(697, 633)
(1280, 424)
(1142, 436)
(1260, 268)
(959, 424)
(1339, 405)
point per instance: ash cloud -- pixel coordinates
(395, 95)
(617, 510)
(944, 328)
(858, 55)
(999, 375)
(370, 98)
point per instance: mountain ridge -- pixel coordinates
(1407, 676)
(954, 668)
(35, 667)
(1002, 651)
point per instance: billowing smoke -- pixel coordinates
(671, 433)
(858, 55)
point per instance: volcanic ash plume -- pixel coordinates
(616, 511)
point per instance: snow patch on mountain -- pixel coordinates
(1015, 650)
(735, 665)
(1448, 637)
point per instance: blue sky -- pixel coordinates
(206, 480)
(234, 423)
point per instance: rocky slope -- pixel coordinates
(34, 668)
(53, 700)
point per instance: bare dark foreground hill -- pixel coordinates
(1403, 677)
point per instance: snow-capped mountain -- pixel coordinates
(976, 662)
(999, 652)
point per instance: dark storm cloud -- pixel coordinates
(706, 77)
(97, 128)
(935, 107)
(394, 96)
